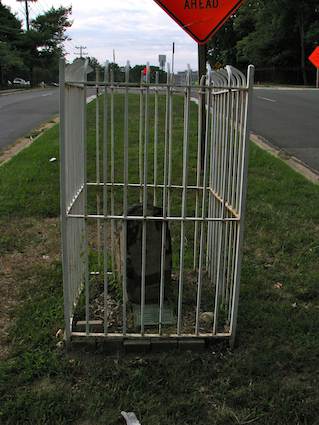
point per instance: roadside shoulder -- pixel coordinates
(293, 162)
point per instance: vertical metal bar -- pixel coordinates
(168, 113)
(240, 146)
(112, 170)
(212, 248)
(125, 199)
(63, 204)
(230, 225)
(184, 198)
(202, 228)
(242, 203)
(144, 236)
(201, 102)
(141, 130)
(213, 171)
(98, 176)
(236, 142)
(226, 192)
(233, 196)
(105, 194)
(85, 200)
(156, 139)
(170, 148)
(215, 177)
(221, 224)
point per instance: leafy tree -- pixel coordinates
(33, 54)
(10, 62)
(136, 71)
(10, 26)
(10, 34)
(269, 33)
(43, 44)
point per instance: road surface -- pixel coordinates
(22, 111)
(289, 119)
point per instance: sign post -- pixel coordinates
(314, 59)
(201, 19)
(202, 60)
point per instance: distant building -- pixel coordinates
(180, 77)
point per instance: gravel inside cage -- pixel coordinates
(114, 310)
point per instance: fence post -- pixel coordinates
(66, 286)
(242, 205)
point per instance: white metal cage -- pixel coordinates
(179, 155)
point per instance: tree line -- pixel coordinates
(118, 72)
(277, 36)
(32, 55)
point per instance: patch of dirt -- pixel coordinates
(37, 242)
(24, 142)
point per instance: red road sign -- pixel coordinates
(314, 57)
(200, 18)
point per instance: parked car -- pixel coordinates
(21, 82)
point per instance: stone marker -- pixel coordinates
(153, 255)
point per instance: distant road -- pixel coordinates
(22, 111)
(289, 119)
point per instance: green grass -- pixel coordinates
(272, 377)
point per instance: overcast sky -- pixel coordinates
(138, 30)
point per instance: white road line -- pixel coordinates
(266, 98)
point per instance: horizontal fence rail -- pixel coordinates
(153, 191)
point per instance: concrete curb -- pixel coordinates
(7, 92)
(24, 142)
(293, 162)
(283, 88)
(30, 90)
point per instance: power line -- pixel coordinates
(37, 9)
(27, 11)
(34, 11)
(47, 5)
(81, 48)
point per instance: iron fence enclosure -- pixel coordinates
(153, 203)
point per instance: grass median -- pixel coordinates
(272, 376)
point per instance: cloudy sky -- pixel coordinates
(137, 30)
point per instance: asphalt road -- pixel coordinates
(289, 119)
(22, 111)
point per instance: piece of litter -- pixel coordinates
(130, 418)
(207, 317)
(59, 334)
(45, 257)
(278, 285)
(294, 305)
(52, 159)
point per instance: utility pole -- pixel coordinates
(81, 48)
(202, 59)
(27, 11)
(173, 58)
